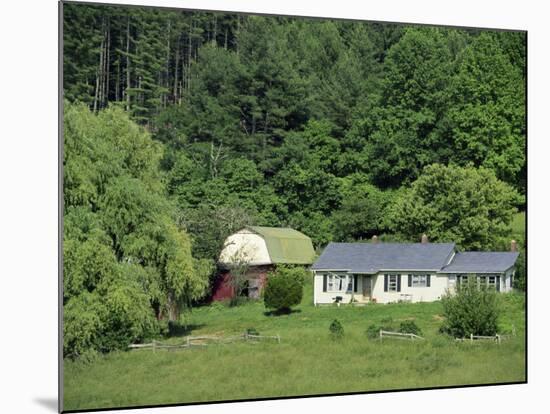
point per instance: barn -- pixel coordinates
(259, 250)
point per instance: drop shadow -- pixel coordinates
(177, 329)
(49, 403)
(281, 312)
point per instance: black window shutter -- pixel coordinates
(355, 278)
(428, 280)
(399, 283)
(385, 283)
(410, 280)
(324, 283)
(498, 283)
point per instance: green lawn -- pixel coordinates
(518, 227)
(306, 361)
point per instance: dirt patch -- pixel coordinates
(438, 317)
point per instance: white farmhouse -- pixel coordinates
(413, 272)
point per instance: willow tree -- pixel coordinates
(126, 261)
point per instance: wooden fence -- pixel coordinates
(398, 335)
(497, 338)
(205, 340)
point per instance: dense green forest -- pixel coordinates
(181, 127)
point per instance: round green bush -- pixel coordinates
(472, 309)
(410, 327)
(284, 289)
(373, 331)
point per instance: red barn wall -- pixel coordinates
(256, 276)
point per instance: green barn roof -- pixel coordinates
(286, 245)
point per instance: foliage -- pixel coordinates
(284, 288)
(462, 204)
(520, 277)
(373, 331)
(409, 327)
(252, 331)
(362, 212)
(336, 329)
(125, 259)
(473, 309)
(486, 120)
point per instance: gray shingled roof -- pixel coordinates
(373, 257)
(481, 262)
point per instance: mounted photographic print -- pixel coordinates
(259, 207)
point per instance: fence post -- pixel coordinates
(154, 346)
(380, 334)
(246, 335)
(498, 339)
(188, 342)
(472, 338)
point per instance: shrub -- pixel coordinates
(336, 329)
(472, 309)
(373, 331)
(252, 331)
(284, 288)
(410, 327)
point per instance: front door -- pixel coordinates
(366, 286)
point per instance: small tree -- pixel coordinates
(284, 288)
(336, 329)
(473, 309)
(239, 268)
(410, 327)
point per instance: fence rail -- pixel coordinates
(497, 338)
(202, 341)
(398, 335)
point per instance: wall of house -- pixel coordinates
(440, 283)
(328, 297)
(506, 281)
(245, 246)
(438, 286)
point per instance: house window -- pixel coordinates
(419, 280)
(350, 284)
(338, 283)
(392, 283)
(333, 283)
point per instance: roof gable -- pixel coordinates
(374, 257)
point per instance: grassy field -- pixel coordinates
(306, 361)
(518, 227)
